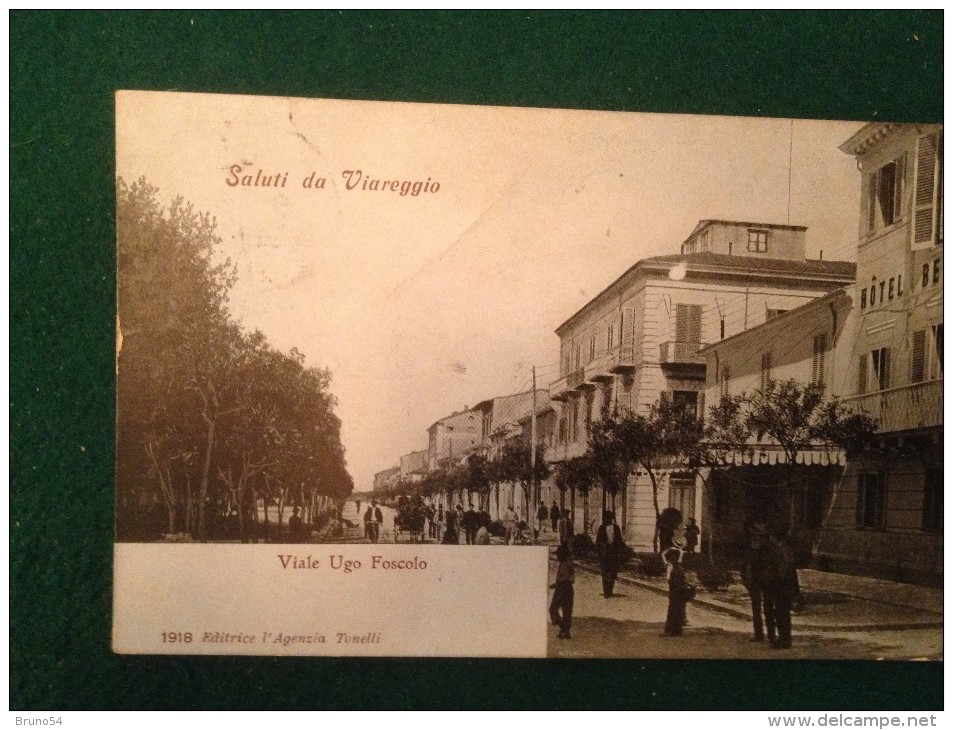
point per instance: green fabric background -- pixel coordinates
(64, 69)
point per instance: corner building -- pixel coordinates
(639, 341)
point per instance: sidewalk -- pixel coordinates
(833, 601)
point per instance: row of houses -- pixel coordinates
(739, 305)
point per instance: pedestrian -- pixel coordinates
(510, 518)
(692, 534)
(295, 526)
(566, 530)
(441, 522)
(542, 514)
(679, 592)
(781, 585)
(554, 513)
(470, 524)
(431, 514)
(560, 609)
(610, 551)
(754, 569)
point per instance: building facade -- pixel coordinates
(809, 344)
(640, 338)
(887, 519)
(878, 347)
(413, 466)
(451, 437)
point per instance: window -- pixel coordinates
(772, 313)
(863, 298)
(688, 323)
(681, 494)
(873, 372)
(809, 501)
(881, 361)
(884, 198)
(592, 348)
(933, 499)
(765, 371)
(818, 357)
(758, 241)
(722, 328)
(725, 377)
(871, 501)
(610, 336)
(688, 399)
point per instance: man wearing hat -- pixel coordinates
(560, 609)
(610, 549)
(754, 576)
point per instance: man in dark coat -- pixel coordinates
(754, 569)
(779, 590)
(470, 523)
(610, 550)
(554, 514)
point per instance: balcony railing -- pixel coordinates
(909, 407)
(621, 359)
(676, 352)
(576, 380)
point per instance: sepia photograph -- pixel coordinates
(627, 385)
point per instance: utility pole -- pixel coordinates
(532, 457)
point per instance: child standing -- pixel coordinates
(679, 592)
(560, 609)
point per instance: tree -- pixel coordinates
(575, 475)
(627, 439)
(208, 417)
(515, 466)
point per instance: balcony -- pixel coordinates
(621, 360)
(902, 409)
(559, 389)
(682, 358)
(677, 353)
(574, 382)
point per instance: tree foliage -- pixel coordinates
(210, 419)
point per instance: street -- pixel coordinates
(630, 625)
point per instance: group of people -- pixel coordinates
(610, 550)
(769, 573)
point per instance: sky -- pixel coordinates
(421, 305)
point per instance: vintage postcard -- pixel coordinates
(426, 380)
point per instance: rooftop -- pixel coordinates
(707, 262)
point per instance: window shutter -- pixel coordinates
(918, 359)
(817, 364)
(924, 201)
(870, 202)
(862, 373)
(938, 349)
(627, 327)
(885, 379)
(695, 323)
(701, 405)
(681, 323)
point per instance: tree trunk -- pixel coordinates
(203, 485)
(658, 511)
